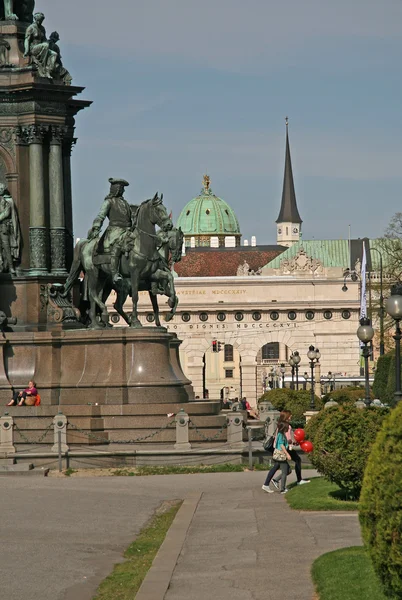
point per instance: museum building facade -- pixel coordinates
(243, 309)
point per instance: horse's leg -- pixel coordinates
(122, 292)
(135, 282)
(94, 292)
(170, 292)
(75, 271)
(155, 306)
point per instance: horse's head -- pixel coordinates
(176, 238)
(158, 213)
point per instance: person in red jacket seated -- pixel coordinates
(20, 397)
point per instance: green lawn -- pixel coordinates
(126, 578)
(346, 574)
(319, 494)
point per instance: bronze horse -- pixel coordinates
(142, 268)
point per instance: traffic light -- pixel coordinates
(215, 346)
(219, 346)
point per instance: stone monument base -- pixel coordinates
(113, 366)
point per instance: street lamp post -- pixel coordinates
(313, 355)
(282, 370)
(393, 307)
(296, 360)
(292, 364)
(365, 333)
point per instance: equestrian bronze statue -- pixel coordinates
(131, 256)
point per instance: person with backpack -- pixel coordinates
(280, 458)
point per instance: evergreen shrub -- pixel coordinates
(348, 394)
(380, 508)
(342, 437)
(297, 401)
(381, 377)
(390, 390)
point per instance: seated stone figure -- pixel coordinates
(38, 48)
(60, 72)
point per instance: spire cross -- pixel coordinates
(287, 121)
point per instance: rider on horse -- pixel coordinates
(122, 219)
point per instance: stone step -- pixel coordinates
(31, 472)
(4, 462)
(16, 468)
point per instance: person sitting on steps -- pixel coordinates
(26, 396)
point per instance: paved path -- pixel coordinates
(61, 537)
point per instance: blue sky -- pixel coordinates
(180, 87)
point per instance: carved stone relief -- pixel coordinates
(302, 263)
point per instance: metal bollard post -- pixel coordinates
(59, 450)
(250, 448)
(60, 426)
(182, 420)
(7, 435)
(235, 429)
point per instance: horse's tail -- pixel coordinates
(76, 267)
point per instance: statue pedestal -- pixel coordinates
(111, 366)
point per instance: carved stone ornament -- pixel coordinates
(59, 309)
(7, 139)
(58, 249)
(301, 263)
(58, 132)
(38, 248)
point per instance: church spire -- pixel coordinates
(289, 221)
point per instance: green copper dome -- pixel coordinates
(208, 216)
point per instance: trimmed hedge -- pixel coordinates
(381, 377)
(380, 509)
(351, 394)
(390, 390)
(297, 401)
(342, 437)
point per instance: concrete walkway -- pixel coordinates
(242, 542)
(61, 537)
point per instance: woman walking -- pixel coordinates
(286, 417)
(280, 457)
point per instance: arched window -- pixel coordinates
(228, 353)
(270, 351)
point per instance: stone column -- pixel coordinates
(248, 367)
(60, 425)
(68, 201)
(38, 239)
(235, 430)
(195, 367)
(56, 193)
(182, 439)
(6, 435)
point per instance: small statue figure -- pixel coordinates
(37, 46)
(60, 71)
(243, 269)
(4, 50)
(10, 233)
(17, 10)
(121, 220)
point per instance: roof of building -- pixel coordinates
(289, 212)
(224, 262)
(331, 253)
(207, 214)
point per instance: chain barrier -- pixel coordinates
(205, 437)
(102, 440)
(39, 440)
